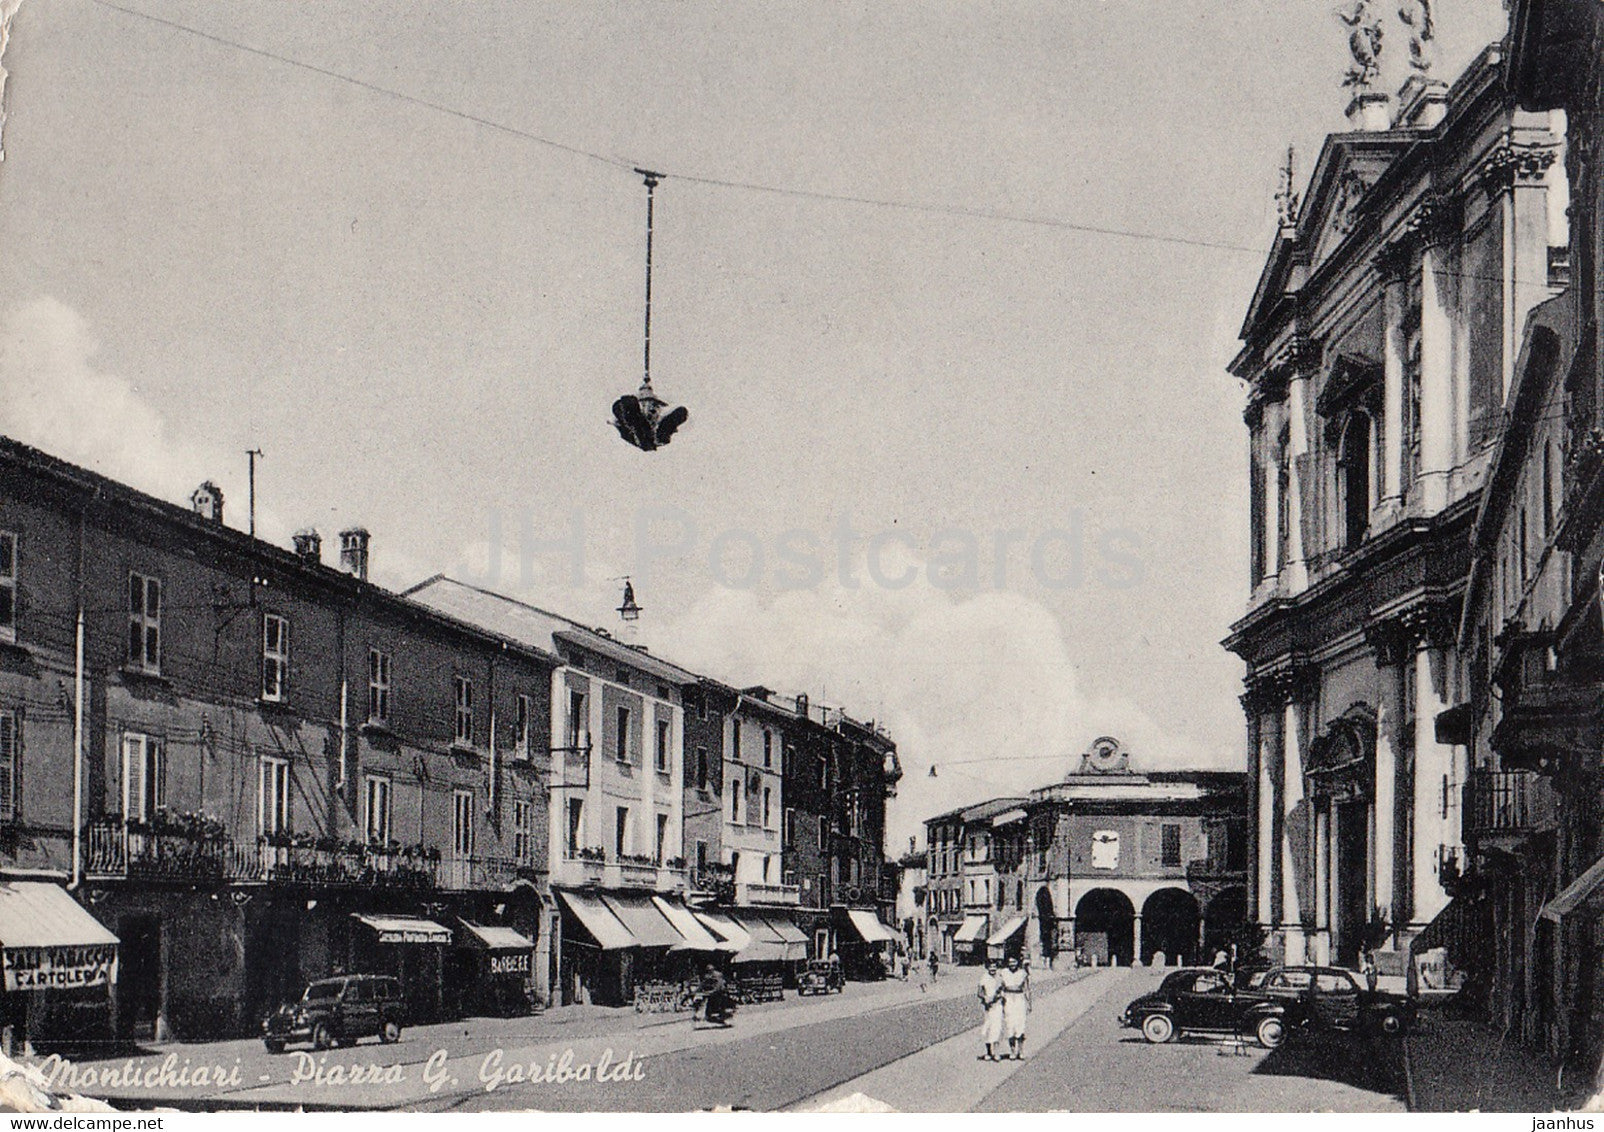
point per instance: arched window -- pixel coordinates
(1353, 472)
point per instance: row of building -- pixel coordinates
(1423, 640)
(256, 768)
(1110, 865)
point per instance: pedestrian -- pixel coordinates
(1367, 965)
(1016, 1005)
(935, 965)
(991, 1010)
(902, 964)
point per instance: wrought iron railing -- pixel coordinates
(113, 849)
(1508, 801)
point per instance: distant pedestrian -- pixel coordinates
(991, 1010)
(935, 965)
(1016, 1005)
(902, 965)
(1367, 966)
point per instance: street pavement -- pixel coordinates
(905, 1047)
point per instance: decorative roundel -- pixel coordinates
(1105, 752)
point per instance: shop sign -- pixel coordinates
(509, 963)
(38, 968)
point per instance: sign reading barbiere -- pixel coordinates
(38, 968)
(510, 963)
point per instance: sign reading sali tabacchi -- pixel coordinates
(38, 968)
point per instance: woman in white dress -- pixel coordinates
(991, 1023)
(1015, 983)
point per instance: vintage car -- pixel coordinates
(1202, 1000)
(1334, 998)
(821, 977)
(338, 1011)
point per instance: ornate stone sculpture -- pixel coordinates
(1416, 16)
(1364, 44)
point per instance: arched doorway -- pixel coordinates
(1170, 920)
(1105, 924)
(1223, 920)
(1046, 924)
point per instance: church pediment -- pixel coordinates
(1339, 190)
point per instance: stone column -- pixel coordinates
(1514, 177)
(1435, 225)
(1136, 941)
(1393, 265)
(1392, 647)
(1298, 360)
(1431, 631)
(1324, 819)
(1262, 760)
(1297, 685)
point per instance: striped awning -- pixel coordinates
(972, 930)
(50, 941)
(1002, 935)
(493, 937)
(606, 930)
(731, 936)
(648, 925)
(869, 927)
(693, 936)
(405, 929)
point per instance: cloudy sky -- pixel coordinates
(976, 477)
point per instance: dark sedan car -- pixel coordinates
(338, 1011)
(1203, 1000)
(1333, 998)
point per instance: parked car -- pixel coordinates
(1334, 998)
(338, 1011)
(1203, 1000)
(821, 977)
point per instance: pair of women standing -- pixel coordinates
(1005, 999)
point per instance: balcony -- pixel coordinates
(480, 874)
(578, 870)
(1509, 804)
(785, 895)
(715, 881)
(590, 867)
(327, 863)
(187, 850)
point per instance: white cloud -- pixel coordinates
(984, 688)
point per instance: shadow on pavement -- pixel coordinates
(1372, 1064)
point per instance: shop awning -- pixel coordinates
(493, 937)
(1002, 935)
(637, 913)
(766, 946)
(971, 931)
(51, 941)
(869, 927)
(694, 937)
(1589, 886)
(606, 930)
(730, 935)
(782, 929)
(405, 929)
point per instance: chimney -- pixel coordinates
(308, 545)
(802, 704)
(354, 552)
(207, 502)
(1370, 112)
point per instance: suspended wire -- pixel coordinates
(974, 213)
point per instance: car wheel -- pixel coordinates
(1271, 1032)
(390, 1033)
(323, 1037)
(273, 1045)
(1157, 1028)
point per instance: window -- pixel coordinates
(702, 709)
(701, 768)
(1353, 463)
(8, 586)
(275, 657)
(735, 801)
(520, 830)
(464, 710)
(378, 686)
(578, 733)
(788, 833)
(621, 831)
(768, 747)
(768, 816)
(621, 739)
(10, 763)
(754, 799)
(144, 777)
(462, 823)
(1170, 846)
(144, 623)
(735, 739)
(701, 856)
(520, 731)
(663, 758)
(576, 825)
(376, 790)
(768, 865)
(273, 801)
(662, 838)
(824, 834)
